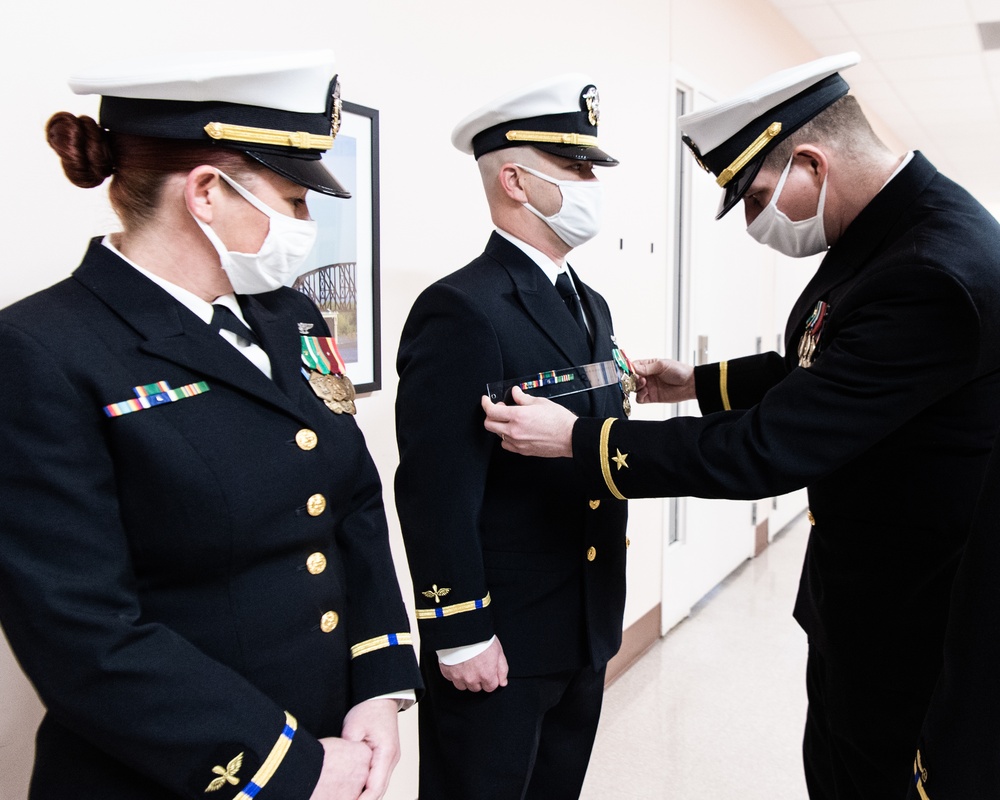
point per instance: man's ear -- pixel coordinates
(510, 178)
(814, 159)
(201, 192)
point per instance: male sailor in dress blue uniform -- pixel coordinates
(885, 405)
(518, 572)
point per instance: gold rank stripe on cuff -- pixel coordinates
(605, 461)
(724, 385)
(457, 608)
(919, 776)
(272, 762)
(380, 643)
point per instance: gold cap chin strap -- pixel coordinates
(242, 133)
(548, 137)
(747, 155)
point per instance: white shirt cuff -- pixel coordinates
(450, 656)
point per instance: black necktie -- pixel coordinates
(224, 318)
(572, 300)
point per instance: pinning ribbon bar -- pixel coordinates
(547, 379)
(380, 643)
(457, 608)
(154, 394)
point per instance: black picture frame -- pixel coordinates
(342, 276)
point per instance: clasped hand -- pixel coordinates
(357, 765)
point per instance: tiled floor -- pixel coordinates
(715, 709)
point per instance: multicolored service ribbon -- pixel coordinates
(547, 379)
(154, 394)
(814, 329)
(622, 360)
(321, 354)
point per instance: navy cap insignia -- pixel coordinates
(590, 101)
(336, 106)
(226, 774)
(695, 152)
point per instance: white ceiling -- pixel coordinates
(924, 72)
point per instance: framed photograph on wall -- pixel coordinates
(342, 274)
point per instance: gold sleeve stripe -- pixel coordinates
(457, 608)
(605, 464)
(380, 643)
(919, 776)
(724, 385)
(272, 762)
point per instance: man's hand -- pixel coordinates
(345, 770)
(373, 723)
(662, 380)
(484, 672)
(534, 427)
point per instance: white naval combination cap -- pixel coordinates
(732, 138)
(280, 108)
(559, 115)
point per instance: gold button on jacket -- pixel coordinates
(316, 563)
(329, 621)
(591, 553)
(306, 439)
(316, 505)
(595, 504)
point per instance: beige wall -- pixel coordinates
(424, 66)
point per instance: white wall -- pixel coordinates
(424, 66)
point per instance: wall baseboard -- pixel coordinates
(636, 640)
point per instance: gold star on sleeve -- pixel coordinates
(620, 459)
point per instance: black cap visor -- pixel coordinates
(737, 187)
(593, 154)
(308, 172)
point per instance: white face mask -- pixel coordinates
(796, 239)
(579, 218)
(282, 254)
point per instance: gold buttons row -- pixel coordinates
(316, 505)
